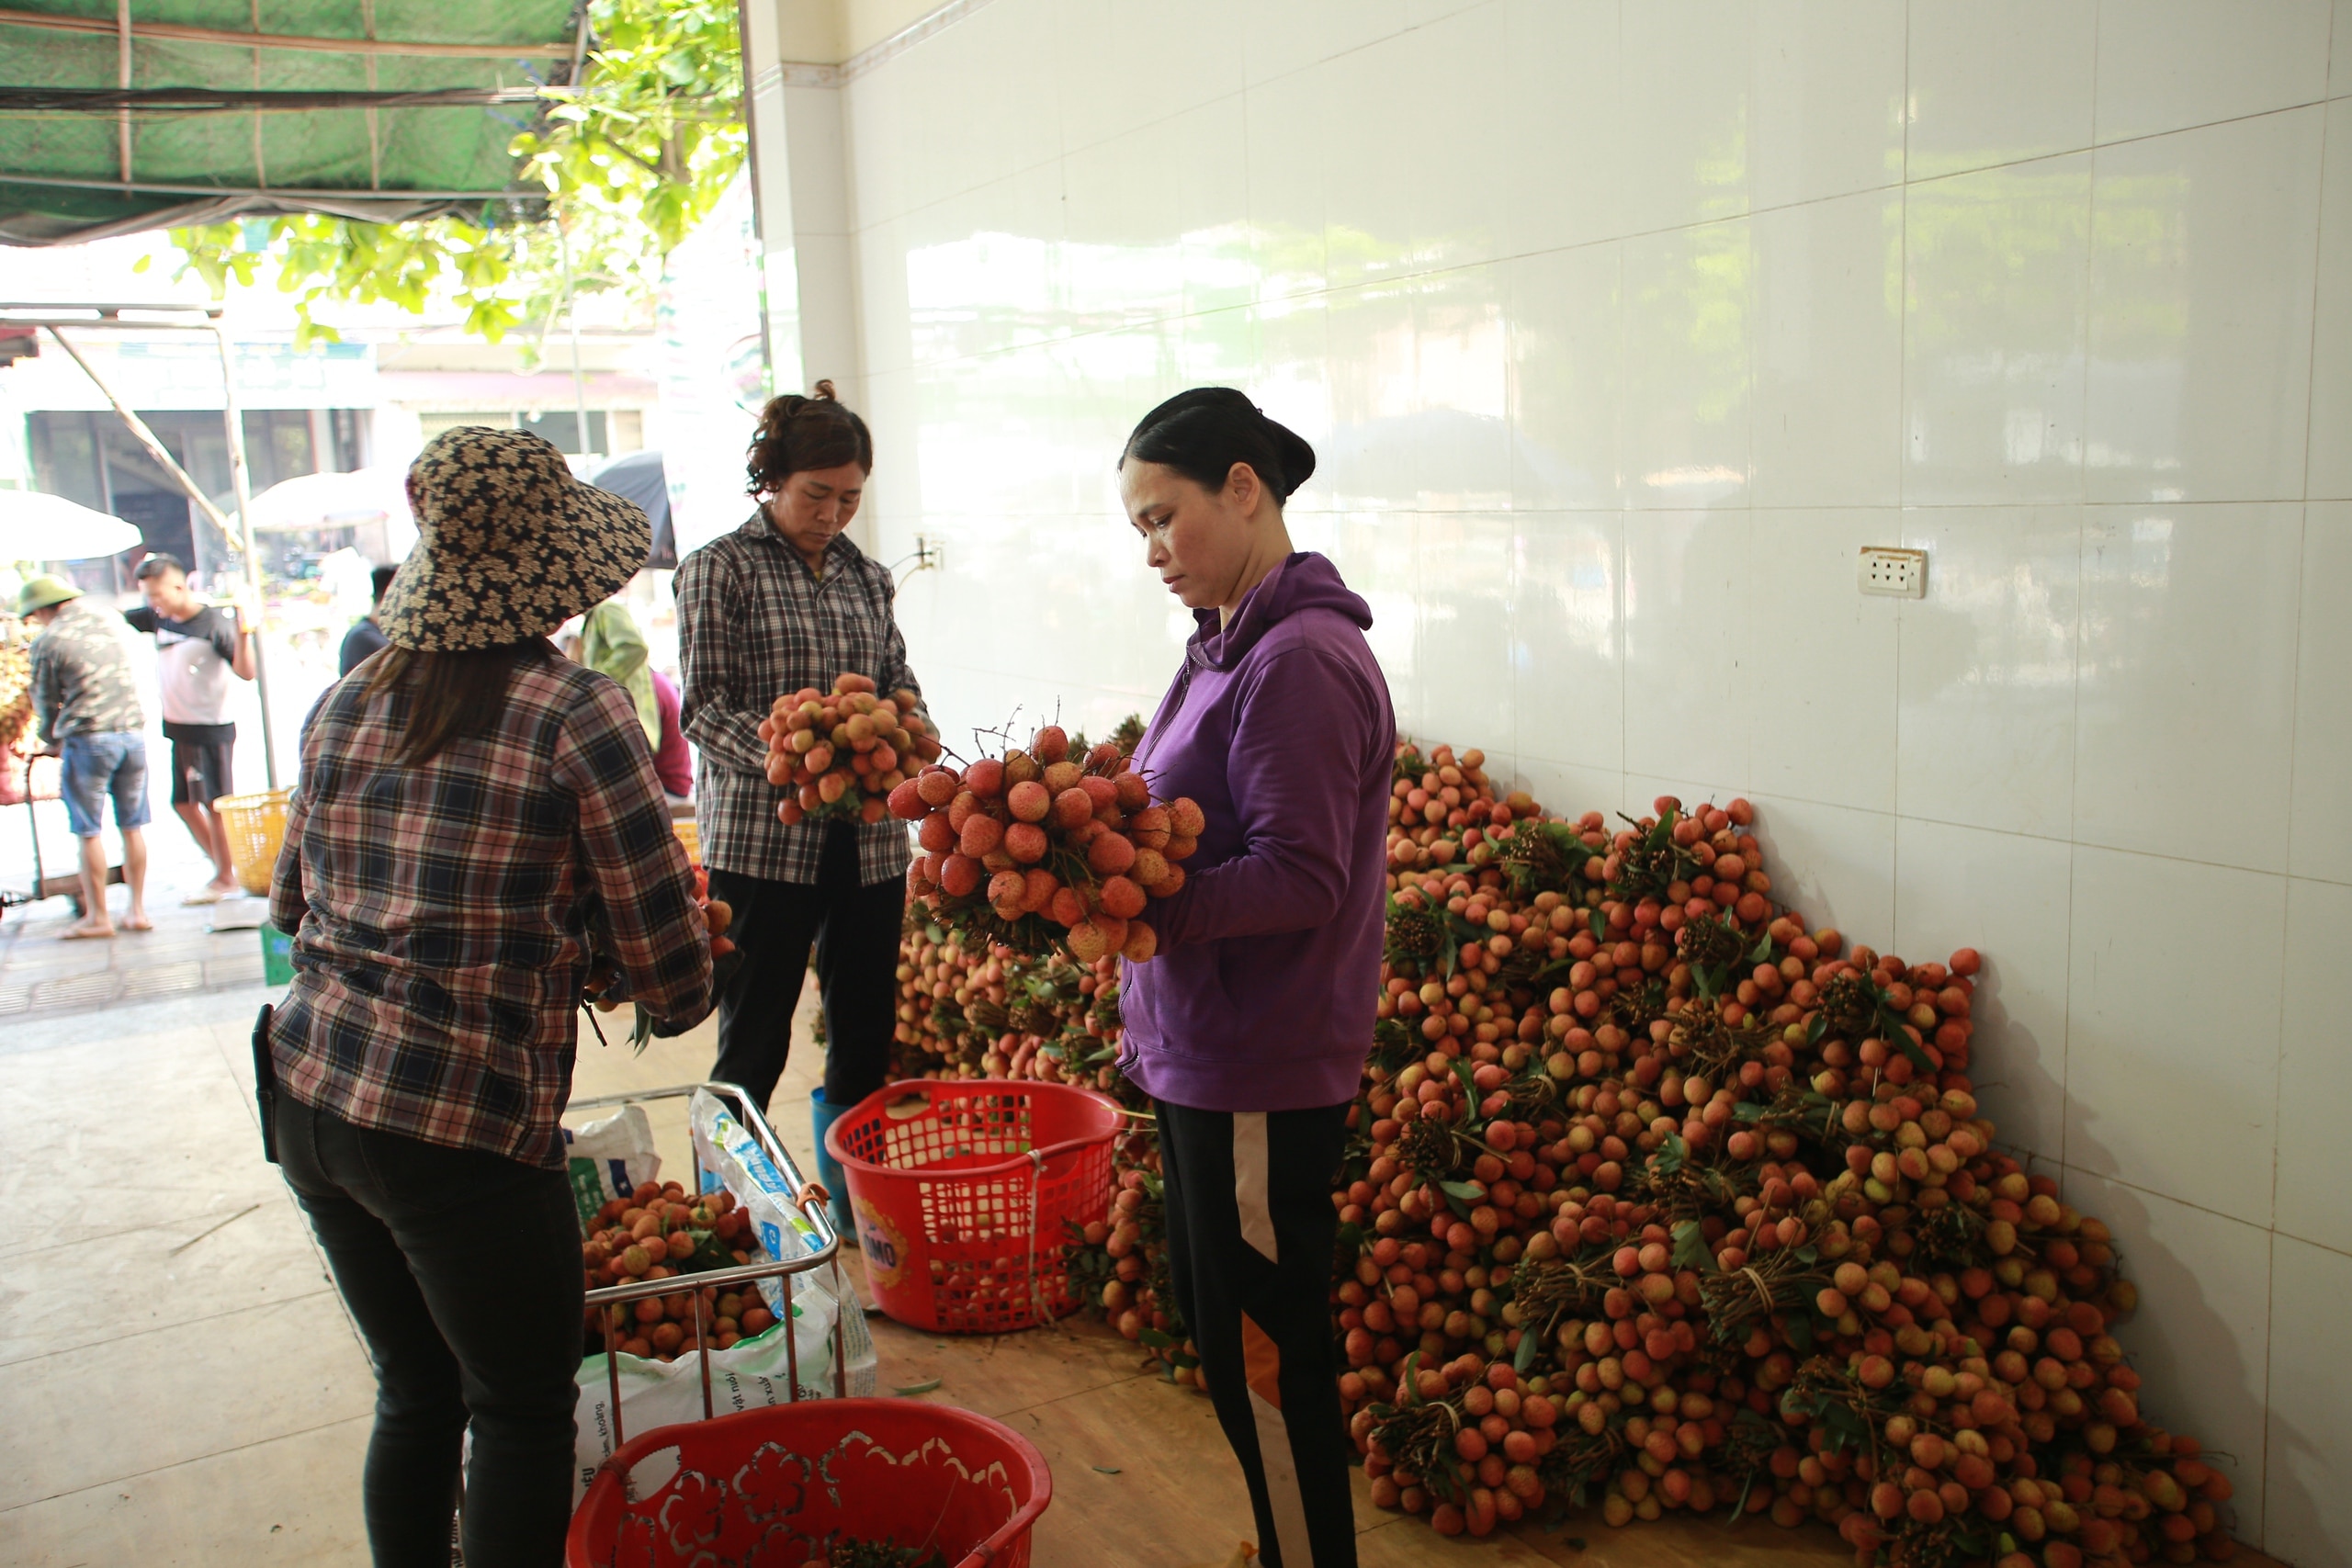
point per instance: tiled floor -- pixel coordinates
(178, 1382)
(179, 1385)
(43, 974)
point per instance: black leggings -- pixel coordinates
(1250, 1237)
(457, 1333)
(856, 929)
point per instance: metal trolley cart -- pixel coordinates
(805, 1194)
(22, 783)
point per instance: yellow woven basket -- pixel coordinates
(256, 825)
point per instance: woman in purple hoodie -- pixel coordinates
(1249, 1027)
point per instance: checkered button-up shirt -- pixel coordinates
(754, 624)
(443, 913)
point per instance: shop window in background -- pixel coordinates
(350, 433)
(562, 429)
(429, 426)
(610, 433)
(90, 456)
(279, 445)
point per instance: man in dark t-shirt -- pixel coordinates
(199, 649)
(366, 637)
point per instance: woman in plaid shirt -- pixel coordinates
(785, 602)
(478, 820)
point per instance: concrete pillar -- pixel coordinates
(792, 50)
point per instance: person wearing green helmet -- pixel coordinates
(86, 709)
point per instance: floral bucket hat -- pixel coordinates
(509, 544)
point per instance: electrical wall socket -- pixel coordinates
(928, 553)
(1897, 574)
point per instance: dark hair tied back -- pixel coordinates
(797, 434)
(1202, 433)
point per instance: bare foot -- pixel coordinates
(88, 930)
(136, 921)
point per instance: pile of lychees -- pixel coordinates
(1659, 1199)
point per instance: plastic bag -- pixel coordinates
(607, 1159)
(732, 1158)
(747, 1374)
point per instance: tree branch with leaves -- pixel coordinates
(631, 159)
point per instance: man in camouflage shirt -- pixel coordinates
(86, 709)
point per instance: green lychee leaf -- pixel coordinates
(1690, 1249)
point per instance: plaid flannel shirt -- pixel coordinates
(754, 624)
(442, 914)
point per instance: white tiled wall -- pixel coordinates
(1620, 327)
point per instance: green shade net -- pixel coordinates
(221, 130)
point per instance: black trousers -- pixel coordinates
(1250, 1235)
(855, 932)
(457, 1335)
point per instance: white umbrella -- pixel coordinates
(38, 527)
(324, 501)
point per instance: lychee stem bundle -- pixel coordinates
(843, 751)
(1036, 849)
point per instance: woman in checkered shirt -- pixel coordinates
(782, 603)
(477, 824)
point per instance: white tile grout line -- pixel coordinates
(1905, 184)
(182, 1463)
(2270, 1230)
(2270, 1296)
(325, 1288)
(1902, 469)
(2074, 790)
(2269, 1358)
(2287, 916)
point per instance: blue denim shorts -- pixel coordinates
(96, 766)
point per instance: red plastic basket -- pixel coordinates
(784, 1483)
(962, 1190)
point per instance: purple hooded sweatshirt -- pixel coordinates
(1279, 725)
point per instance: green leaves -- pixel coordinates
(631, 160)
(1690, 1249)
(1472, 1096)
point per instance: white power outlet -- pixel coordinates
(929, 554)
(1898, 574)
